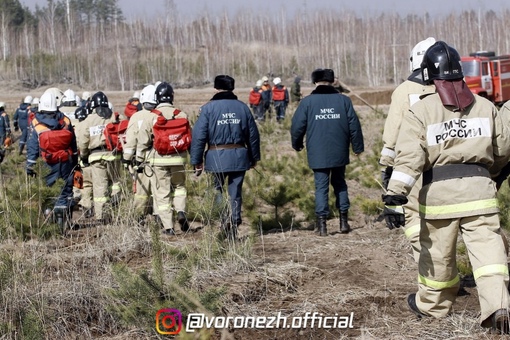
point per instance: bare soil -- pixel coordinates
(368, 272)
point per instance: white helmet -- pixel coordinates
(265, 78)
(69, 96)
(2, 105)
(258, 83)
(136, 95)
(418, 52)
(48, 102)
(57, 93)
(277, 81)
(27, 100)
(148, 95)
(35, 101)
(85, 95)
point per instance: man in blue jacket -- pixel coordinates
(330, 124)
(52, 137)
(20, 120)
(226, 126)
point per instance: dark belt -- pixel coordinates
(98, 149)
(225, 146)
(444, 172)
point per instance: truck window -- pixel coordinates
(471, 68)
(485, 69)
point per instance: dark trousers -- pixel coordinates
(280, 107)
(64, 171)
(24, 136)
(234, 188)
(322, 179)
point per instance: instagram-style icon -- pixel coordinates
(168, 321)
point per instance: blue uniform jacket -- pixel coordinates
(52, 122)
(5, 126)
(222, 121)
(330, 123)
(21, 116)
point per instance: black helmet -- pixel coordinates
(441, 62)
(98, 99)
(81, 113)
(164, 93)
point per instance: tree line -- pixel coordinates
(90, 43)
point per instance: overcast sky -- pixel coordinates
(190, 8)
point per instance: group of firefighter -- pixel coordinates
(446, 153)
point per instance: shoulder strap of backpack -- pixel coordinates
(157, 112)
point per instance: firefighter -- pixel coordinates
(266, 97)
(133, 105)
(280, 99)
(405, 95)
(457, 140)
(20, 120)
(5, 126)
(52, 136)
(84, 195)
(256, 102)
(68, 105)
(226, 126)
(141, 187)
(167, 172)
(330, 124)
(93, 153)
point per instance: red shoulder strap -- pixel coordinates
(176, 112)
(157, 112)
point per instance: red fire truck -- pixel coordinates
(488, 75)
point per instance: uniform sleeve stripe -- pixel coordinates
(404, 178)
(388, 152)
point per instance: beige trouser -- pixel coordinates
(86, 191)
(168, 184)
(438, 277)
(102, 174)
(142, 193)
(115, 166)
(413, 220)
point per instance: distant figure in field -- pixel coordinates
(280, 98)
(295, 91)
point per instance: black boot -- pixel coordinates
(344, 224)
(322, 229)
(21, 147)
(183, 221)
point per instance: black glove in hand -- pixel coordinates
(198, 169)
(385, 176)
(125, 162)
(31, 172)
(85, 161)
(138, 166)
(394, 211)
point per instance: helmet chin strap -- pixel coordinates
(454, 93)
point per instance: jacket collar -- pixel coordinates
(324, 89)
(224, 95)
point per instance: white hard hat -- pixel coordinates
(148, 95)
(258, 83)
(85, 95)
(35, 101)
(418, 52)
(57, 93)
(264, 78)
(27, 100)
(277, 81)
(48, 102)
(136, 95)
(2, 104)
(69, 96)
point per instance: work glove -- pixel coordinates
(394, 211)
(125, 162)
(385, 176)
(30, 172)
(85, 161)
(198, 169)
(16, 127)
(138, 166)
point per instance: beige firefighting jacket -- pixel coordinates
(405, 95)
(91, 139)
(433, 136)
(135, 123)
(144, 150)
